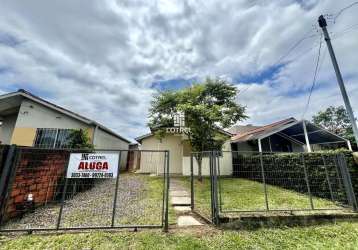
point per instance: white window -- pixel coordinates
(52, 138)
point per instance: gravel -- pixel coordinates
(138, 202)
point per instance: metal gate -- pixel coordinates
(249, 182)
(37, 195)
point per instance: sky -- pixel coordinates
(105, 59)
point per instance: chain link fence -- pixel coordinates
(40, 196)
(251, 182)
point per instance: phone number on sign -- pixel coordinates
(92, 175)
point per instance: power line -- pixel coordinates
(314, 78)
(344, 9)
(345, 31)
(244, 90)
(306, 36)
(295, 46)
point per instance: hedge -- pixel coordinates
(288, 171)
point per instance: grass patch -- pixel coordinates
(243, 194)
(338, 236)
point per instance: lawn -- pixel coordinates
(343, 235)
(243, 194)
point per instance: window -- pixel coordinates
(51, 138)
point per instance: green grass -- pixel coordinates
(339, 236)
(242, 194)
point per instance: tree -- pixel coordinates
(335, 120)
(78, 138)
(208, 107)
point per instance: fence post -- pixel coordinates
(6, 178)
(215, 189)
(211, 185)
(264, 181)
(164, 187)
(307, 181)
(116, 190)
(191, 181)
(327, 177)
(347, 182)
(219, 183)
(166, 223)
(63, 194)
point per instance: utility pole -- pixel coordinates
(323, 24)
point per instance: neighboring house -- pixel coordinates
(238, 129)
(289, 135)
(28, 120)
(179, 150)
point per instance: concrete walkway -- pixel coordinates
(181, 201)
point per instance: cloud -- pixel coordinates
(105, 59)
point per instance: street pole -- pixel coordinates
(323, 24)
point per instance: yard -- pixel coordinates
(243, 194)
(330, 236)
(139, 202)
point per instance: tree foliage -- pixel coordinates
(79, 138)
(208, 107)
(335, 120)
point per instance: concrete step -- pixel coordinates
(180, 201)
(182, 209)
(179, 193)
(187, 220)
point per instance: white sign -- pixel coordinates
(96, 165)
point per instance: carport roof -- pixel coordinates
(293, 129)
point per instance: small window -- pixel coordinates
(51, 138)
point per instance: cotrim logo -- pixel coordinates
(84, 157)
(87, 157)
(179, 119)
(179, 125)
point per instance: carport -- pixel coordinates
(302, 135)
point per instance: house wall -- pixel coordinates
(7, 128)
(225, 163)
(152, 162)
(104, 140)
(33, 115)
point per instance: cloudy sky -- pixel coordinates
(105, 59)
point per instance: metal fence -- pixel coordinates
(39, 196)
(251, 182)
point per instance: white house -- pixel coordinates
(28, 120)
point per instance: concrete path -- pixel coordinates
(181, 201)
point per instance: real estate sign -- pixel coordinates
(93, 165)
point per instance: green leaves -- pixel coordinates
(335, 119)
(79, 138)
(208, 107)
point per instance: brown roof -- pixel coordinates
(256, 132)
(239, 129)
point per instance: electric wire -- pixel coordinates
(314, 78)
(344, 9)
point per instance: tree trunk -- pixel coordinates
(199, 160)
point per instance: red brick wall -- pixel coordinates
(39, 173)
